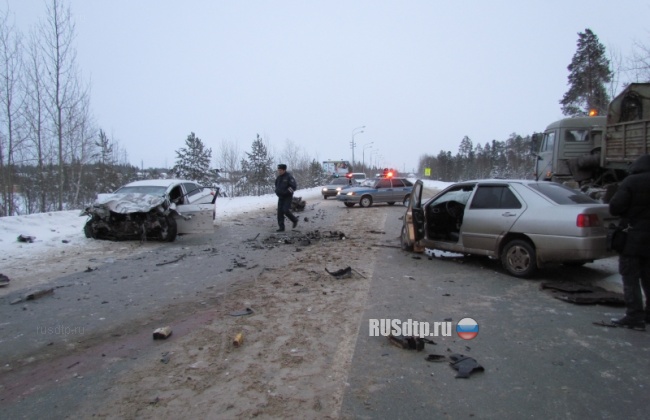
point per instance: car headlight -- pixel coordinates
(350, 193)
(338, 188)
(324, 189)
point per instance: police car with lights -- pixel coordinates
(386, 189)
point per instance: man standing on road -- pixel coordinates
(632, 203)
(285, 185)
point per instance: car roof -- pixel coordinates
(158, 182)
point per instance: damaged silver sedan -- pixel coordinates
(157, 209)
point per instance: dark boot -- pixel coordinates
(627, 322)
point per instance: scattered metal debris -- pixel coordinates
(583, 294)
(436, 358)
(464, 365)
(26, 238)
(605, 324)
(242, 312)
(407, 342)
(238, 340)
(162, 333)
(343, 273)
(4, 280)
(39, 294)
(172, 261)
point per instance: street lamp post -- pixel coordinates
(352, 143)
(365, 146)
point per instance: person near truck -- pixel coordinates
(285, 185)
(631, 203)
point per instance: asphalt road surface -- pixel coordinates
(542, 357)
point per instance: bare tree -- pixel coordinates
(66, 98)
(616, 64)
(639, 63)
(11, 98)
(40, 145)
(298, 161)
(229, 164)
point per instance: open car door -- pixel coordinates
(413, 228)
(195, 218)
(416, 210)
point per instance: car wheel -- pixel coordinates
(88, 230)
(406, 245)
(366, 201)
(325, 197)
(406, 200)
(390, 203)
(169, 232)
(349, 204)
(519, 258)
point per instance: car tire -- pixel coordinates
(404, 240)
(170, 232)
(349, 204)
(88, 230)
(519, 258)
(366, 201)
(390, 203)
(325, 197)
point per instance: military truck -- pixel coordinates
(594, 153)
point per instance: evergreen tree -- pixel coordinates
(193, 161)
(316, 176)
(588, 73)
(258, 169)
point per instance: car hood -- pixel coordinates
(128, 203)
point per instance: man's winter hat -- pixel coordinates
(282, 166)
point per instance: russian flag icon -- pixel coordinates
(467, 328)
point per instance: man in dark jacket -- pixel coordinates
(632, 203)
(285, 185)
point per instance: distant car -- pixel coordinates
(377, 190)
(524, 223)
(158, 209)
(356, 177)
(334, 186)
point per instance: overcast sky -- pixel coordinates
(419, 75)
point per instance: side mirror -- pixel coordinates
(534, 143)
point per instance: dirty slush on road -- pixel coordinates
(279, 342)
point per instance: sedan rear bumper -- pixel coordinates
(563, 248)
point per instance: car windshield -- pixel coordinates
(561, 194)
(142, 189)
(339, 181)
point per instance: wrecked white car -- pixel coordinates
(158, 209)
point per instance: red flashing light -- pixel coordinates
(587, 220)
(389, 175)
(348, 175)
(593, 112)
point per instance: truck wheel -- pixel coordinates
(349, 204)
(169, 232)
(366, 201)
(406, 245)
(518, 258)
